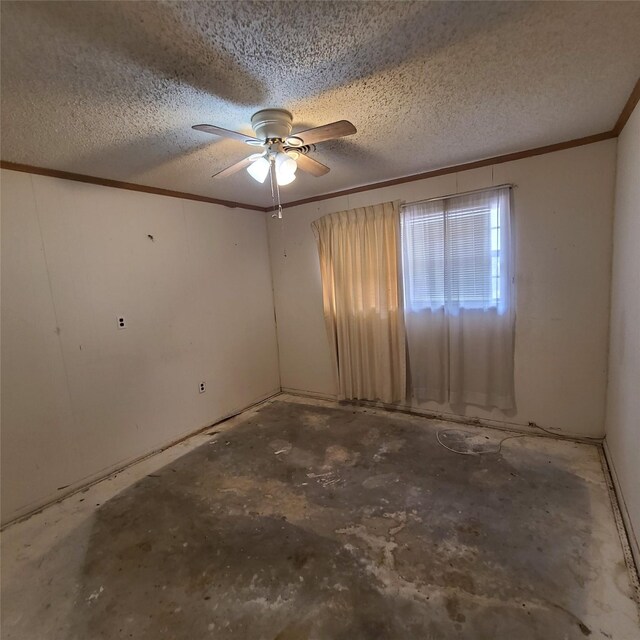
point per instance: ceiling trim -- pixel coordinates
(518, 155)
(117, 184)
(625, 114)
(627, 110)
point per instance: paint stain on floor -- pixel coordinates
(309, 522)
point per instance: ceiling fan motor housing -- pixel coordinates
(272, 123)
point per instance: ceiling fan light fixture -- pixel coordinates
(294, 141)
(286, 168)
(259, 169)
(281, 152)
(286, 179)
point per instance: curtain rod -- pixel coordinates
(464, 193)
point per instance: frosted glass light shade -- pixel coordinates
(285, 169)
(287, 179)
(259, 169)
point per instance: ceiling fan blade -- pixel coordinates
(329, 131)
(311, 166)
(234, 168)
(226, 133)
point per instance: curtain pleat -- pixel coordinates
(362, 300)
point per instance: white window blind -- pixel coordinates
(454, 251)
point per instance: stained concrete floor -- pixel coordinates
(308, 520)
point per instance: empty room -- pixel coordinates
(320, 320)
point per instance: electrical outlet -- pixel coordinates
(202, 387)
(121, 323)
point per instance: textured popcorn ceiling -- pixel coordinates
(111, 89)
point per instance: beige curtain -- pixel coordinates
(359, 264)
(459, 299)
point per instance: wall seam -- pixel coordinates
(53, 301)
(610, 301)
(273, 299)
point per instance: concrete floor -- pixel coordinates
(308, 520)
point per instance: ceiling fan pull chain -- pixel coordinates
(273, 195)
(279, 216)
(272, 178)
(279, 204)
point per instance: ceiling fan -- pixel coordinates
(281, 151)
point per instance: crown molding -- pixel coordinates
(518, 155)
(626, 112)
(117, 184)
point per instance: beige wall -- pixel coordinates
(623, 397)
(563, 215)
(79, 396)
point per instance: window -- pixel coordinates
(455, 252)
(458, 298)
